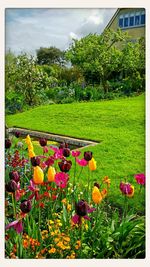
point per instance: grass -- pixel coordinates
(119, 126)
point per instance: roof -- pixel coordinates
(112, 19)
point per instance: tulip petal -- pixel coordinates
(76, 219)
(86, 217)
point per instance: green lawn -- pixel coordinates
(118, 124)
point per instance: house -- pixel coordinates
(131, 20)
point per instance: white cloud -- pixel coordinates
(29, 29)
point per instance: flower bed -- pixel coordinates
(51, 213)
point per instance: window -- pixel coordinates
(125, 22)
(121, 21)
(131, 20)
(143, 18)
(137, 18)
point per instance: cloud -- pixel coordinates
(30, 29)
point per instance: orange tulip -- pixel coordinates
(51, 174)
(38, 175)
(104, 193)
(107, 181)
(92, 164)
(96, 195)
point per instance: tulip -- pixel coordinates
(65, 165)
(66, 152)
(35, 161)
(140, 178)
(107, 181)
(38, 175)
(17, 134)
(43, 141)
(82, 209)
(28, 140)
(96, 195)
(11, 186)
(127, 189)
(7, 143)
(75, 153)
(30, 146)
(131, 193)
(14, 175)
(17, 225)
(92, 164)
(51, 174)
(82, 162)
(61, 179)
(25, 206)
(104, 193)
(97, 184)
(31, 153)
(88, 155)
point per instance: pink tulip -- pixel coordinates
(61, 179)
(17, 225)
(82, 162)
(75, 153)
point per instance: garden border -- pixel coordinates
(82, 143)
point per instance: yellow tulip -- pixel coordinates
(31, 153)
(28, 139)
(51, 174)
(92, 164)
(30, 146)
(96, 195)
(38, 175)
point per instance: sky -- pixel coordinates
(26, 30)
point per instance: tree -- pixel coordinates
(98, 54)
(49, 56)
(24, 77)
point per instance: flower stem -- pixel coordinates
(74, 173)
(80, 172)
(13, 203)
(39, 216)
(81, 237)
(88, 183)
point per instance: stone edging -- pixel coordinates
(54, 137)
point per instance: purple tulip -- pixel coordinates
(14, 175)
(35, 161)
(11, 187)
(25, 206)
(7, 143)
(66, 152)
(43, 141)
(65, 165)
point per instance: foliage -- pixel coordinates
(14, 103)
(49, 56)
(100, 57)
(24, 77)
(97, 54)
(48, 218)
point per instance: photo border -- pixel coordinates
(73, 4)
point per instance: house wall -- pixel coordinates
(135, 32)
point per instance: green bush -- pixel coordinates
(14, 103)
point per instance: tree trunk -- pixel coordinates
(105, 86)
